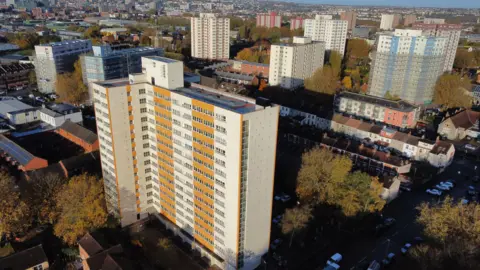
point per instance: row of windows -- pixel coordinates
(202, 121)
(204, 143)
(204, 133)
(199, 109)
(203, 163)
(205, 229)
(207, 155)
(203, 183)
(204, 193)
(203, 173)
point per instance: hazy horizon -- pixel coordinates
(397, 3)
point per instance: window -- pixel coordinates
(143, 100)
(145, 145)
(144, 128)
(146, 162)
(141, 91)
(146, 154)
(143, 110)
(144, 119)
(145, 137)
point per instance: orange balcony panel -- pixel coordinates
(132, 127)
(133, 145)
(134, 153)
(130, 117)
(137, 194)
(139, 210)
(129, 98)
(132, 135)
(135, 170)
(135, 162)
(130, 108)
(137, 186)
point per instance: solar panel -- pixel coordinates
(15, 151)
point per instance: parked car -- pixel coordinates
(389, 259)
(286, 198)
(405, 248)
(335, 259)
(374, 266)
(277, 219)
(446, 183)
(434, 192)
(442, 187)
(277, 242)
(471, 191)
(418, 240)
(19, 97)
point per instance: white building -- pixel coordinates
(56, 114)
(17, 112)
(210, 37)
(407, 64)
(56, 58)
(291, 64)
(433, 21)
(332, 32)
(389, 21)
(450, 31)
(202, 161)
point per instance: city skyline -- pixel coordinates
(396, 3)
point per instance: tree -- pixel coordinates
(464, 60)
(42, 189)
(323, 80)
(347, 82)
(335, 61)
(81, 206)
(32, 78)
(454, 229)
(320, 175)
(15, 215)
(164, 244)
(93, 32)
(428, 257)
(389, 96)
(70, 87)
(295, 219)
(451, 90)
(357, 53)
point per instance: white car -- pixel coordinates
(434, 192)
(405, 248)
(277, 219)
(448, 184)
(335, 259)
(19, 97)
(442, 187)
(286, 198)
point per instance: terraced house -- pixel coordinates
(201, 161)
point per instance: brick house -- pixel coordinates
(79, 135)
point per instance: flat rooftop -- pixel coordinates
(12, 105)
(161, 59)
(399, 105)
(218, 100)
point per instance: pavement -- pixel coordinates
(403, 209)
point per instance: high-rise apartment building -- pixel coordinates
(407, 64)
(332, 32)
(210, 37)
(106, 63)
(389, 21)
(291, 64)
(296, 23)
(409, 19)
(56, 58)
(451, 32)
(433, 21)
(200, 160)
(350, 17)
(269, 20)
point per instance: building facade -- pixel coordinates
(57, 58)
(433, 21)
(15, 75)
(450, 31)
(210, 37)
(296, 23)
(332, 32)
(350, 17)
(407, 64)
(269, 20)
(201, 161)
(396, 113)
(409, 19)
(106, 63)
(291, 64)
(389, 21)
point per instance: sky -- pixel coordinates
(406, 3)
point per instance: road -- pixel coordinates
(403, 209)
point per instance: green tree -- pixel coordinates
(362, 194)
(320, 175)
(453, 229)
(93, 32)
(70, 87)
(464, 60)
(335, 61)
(81, 206)
(41, 191)
(389, 96)
(451, 90)
(15, 214)
(295, 219)
(324, 80)
(32, 78)
(357, 53)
